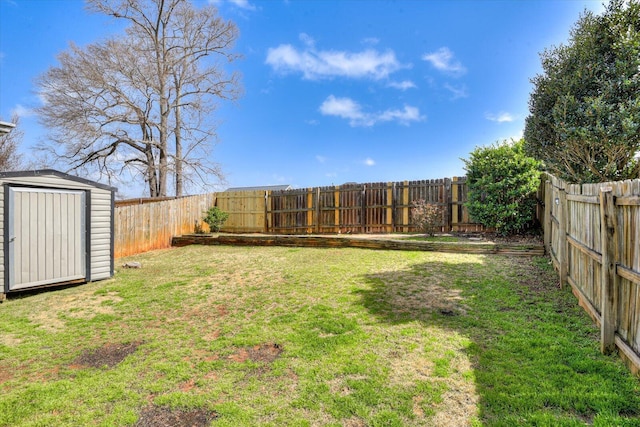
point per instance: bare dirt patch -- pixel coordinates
(5, 375)
(10, 340)
(108, 355)
(80, 305)
(155, 416)
(266, 353)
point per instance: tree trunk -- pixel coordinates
(178, 135)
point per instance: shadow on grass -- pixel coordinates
(533, 351)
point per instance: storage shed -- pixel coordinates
(54, 229)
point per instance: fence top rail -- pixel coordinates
(629, 187)
(147, 200)
(369, 185)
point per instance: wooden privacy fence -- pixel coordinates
(592, 232)
(146, 226)
(350, 208)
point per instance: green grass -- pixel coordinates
(367, 338)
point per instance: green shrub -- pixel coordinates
(502, 182)
(215, 218)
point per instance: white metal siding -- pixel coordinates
(100, 234)
(99, 219)
(46, 236)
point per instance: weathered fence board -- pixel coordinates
(382, 207)
(460, 219)
(146, 226)
(289, 211)
(592, 232)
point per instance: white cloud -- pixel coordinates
(371, 41)
(242, 4)
(403, 85)
(22, 111)
(312, 122)
(457, 92)
(316, 64)
(501, 117)
(342, 107)
(404, 117)
(321, 159)
(369, 162)
(307, 40)
(443, 60)
(347, 108)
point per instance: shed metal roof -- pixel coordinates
(45, 172)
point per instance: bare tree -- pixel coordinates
(114, 105)
(10, 159)
(198, 35)
(100, 107)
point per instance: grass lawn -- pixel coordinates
(237, 336)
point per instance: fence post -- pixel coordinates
(405, 207)
(389, 216)
(317, 210)
(266, 211)
(610, 258)
(563, 248)
(363, 210)
(336, 207)
(310, 226)
(447, 205)
(454, 205)
(547, 224)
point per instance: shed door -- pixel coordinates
(47, 232)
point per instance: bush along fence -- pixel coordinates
(592, 233)
(349, 208)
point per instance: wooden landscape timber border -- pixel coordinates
(321, 241)
(592, 232)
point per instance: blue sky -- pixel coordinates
(334, 91)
